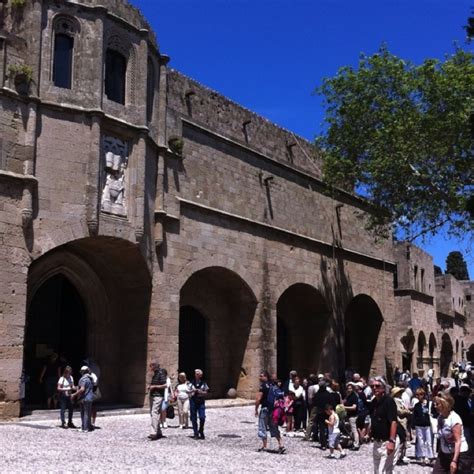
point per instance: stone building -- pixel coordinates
(432, 316)
(145, 217)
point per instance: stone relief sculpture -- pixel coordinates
(115, 165)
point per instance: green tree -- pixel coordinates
(399, 134)
(437, 270)
(456, 266)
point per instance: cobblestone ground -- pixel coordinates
(121, 444)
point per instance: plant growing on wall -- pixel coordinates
(176, 145)
(20, 72)
(18, 3)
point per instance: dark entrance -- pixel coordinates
(192, 341)
(302, 326)
(283, 353)
(363, 323)
(56, 323)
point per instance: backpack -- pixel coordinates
(274, 394)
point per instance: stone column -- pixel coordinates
(139, 193)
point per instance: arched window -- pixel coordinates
(65, 30)
(62, 62)
(115, 76)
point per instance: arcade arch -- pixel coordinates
(90, 297)
(302, 326)
(363, 323)
(217, 309)
(446, 355)
(421, 350)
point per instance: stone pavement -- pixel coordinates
(121, 444)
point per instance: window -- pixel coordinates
(422, 276)
(65, 32)
(415, 276)
(115, 74)
(62, 62)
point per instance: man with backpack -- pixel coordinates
(265, 400)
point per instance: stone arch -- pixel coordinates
(217, 261)
(111, 277)
(303, 319)
(217, 309)
(66, 24)
(363, 324)
(446, 355)
(421, 346)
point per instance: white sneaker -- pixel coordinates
(165, 424)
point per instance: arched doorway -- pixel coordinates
(363, 323)
(302, 325)
(57, 324)
(90, 298)
(217, 309)
(446, 355)
(421, 350)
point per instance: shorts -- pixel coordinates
(334, 439)
(164, 405)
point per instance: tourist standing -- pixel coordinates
(334, 432)
(264, 414)
(85, 395)
(49, 376)
(383, 428)
(156, 390)
(299, 406)
(453, 454)
(65, 388)
(198, 404)
(352, 403)
(183, 392)
(311, 392)
(321, 400)
(422, 424)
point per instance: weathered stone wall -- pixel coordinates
(221, 115)
(15, 261)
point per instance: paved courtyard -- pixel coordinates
(121, 444)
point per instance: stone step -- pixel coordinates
(119, 410)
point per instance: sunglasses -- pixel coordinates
(377, 386)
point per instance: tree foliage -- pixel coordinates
(399, 134)
(456, 266)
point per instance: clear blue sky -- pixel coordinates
(269, 55)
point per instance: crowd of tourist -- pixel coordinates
(436, 414)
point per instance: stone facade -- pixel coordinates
(174, 224)
(432, 313)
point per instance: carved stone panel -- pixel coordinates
(114, 163)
